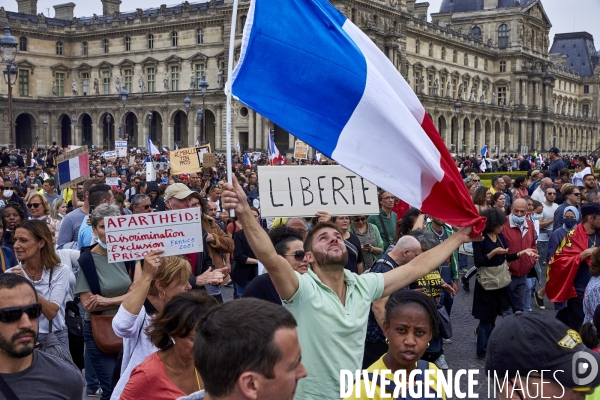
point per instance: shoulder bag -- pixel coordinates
(6, 390)
(102, 329)
(494, 278)
(385, 231)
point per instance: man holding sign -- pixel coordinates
(327, 296)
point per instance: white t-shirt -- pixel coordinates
(547, 214)
(578, 176)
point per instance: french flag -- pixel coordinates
(247, 161)
(73, 168)
(309, 69)
(152, 148)
(484, 151)
(275, 158)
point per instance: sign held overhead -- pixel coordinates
(298, 191)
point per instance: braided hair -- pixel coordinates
(405, 297)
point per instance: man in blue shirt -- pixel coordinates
(556, 163)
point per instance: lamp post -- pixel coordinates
(108, 120)
(124, 96)
(199, 114)
(8, 53)
(187, 104)
(203, 86)
(45, 125)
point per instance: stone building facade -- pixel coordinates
(484, 70)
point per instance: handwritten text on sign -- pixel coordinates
(131, 237)
(302, 191)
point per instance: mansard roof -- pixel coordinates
(452, 6)
(580, 51)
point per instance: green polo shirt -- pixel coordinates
(332, 336)
(390, 224)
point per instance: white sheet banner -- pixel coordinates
(300, 191)
(131, 237)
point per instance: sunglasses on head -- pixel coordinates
(13, 314)
(34, 205)
(298, 255)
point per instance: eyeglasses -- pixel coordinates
(361, 219)
(576, 194)
(298, 255)
(476, 180)
(551, 194)
(147, 207)
(34, 205)
(13, 314)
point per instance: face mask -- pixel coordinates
(518, 220)
(102, 244)
(7, 193)
(536, 217)
(570, 223)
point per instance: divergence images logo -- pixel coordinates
(584, 367)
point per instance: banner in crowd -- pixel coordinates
(121, 148)
(110, 155)
(298, 191)
(189, 159)
(131, 237)
(73, 167)
(300, 150)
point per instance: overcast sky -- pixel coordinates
(565, 15)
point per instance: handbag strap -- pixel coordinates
(49, 282)
(87, 265)
(6, 390)
(3, 261)
(385, 231)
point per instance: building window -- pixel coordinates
(174, 78)
(200, 36)
(86, 83)
(59, 49)
(23, 82)
(455, 56)
(60, 84)
(586, 110)
(443, 53)
(85, 48)
(442, 86)
(105, 45)
(466, 59)
(430, 49)
(150, 41)
(502, 66)
(417, 81)
(586, 89)
(127, 43)
(430, 84)
(476, 62)
(22, 43)
(502, 95)
(128, 80)
(503, 36)
(199, 68)
(151, 86)
(476, 31)
(454, 87)
(417, 46)
(106, 82)
(174, 39)
(243, 22)
(485, 64)
(353, 15)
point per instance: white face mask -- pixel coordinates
(7, 193)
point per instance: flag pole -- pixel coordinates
(228, 92)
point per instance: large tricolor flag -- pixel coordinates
(73, 168)
(309, 69)
(247, 160)
(152, 148)
(275, 158)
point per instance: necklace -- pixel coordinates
(32, 276)
(439, 235)
(197, 379)
(592, 241)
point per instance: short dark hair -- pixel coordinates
(586, 175)
(408, 220)
(98, 193)
(17, 207)
(179, 317)
(405, 297)
(495, 180)
(282, 236)
(9, 281)
(480, 195)
(250, 326)
(88, 184)
(495, 218)
(426, 238)
(314, 230)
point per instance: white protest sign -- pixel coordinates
(131, 237)
(110, 155)
(121, 148)
(112, 181)
(300, 191)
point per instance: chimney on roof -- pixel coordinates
(64, 11)
(110, 6)
(27, 6)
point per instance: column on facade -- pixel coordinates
(168, 140)
(74, 135)
(535, 87)
(192, 124)
(493, 139)
(544, 140)
(251, 128)
(536, 140)
(260, 143)
(219, 134)
(97, 139)
(545, 96)
(141, 129)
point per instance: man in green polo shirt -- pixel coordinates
(386, 220)
(331, 304)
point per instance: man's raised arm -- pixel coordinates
(420, 266)
(283, 276)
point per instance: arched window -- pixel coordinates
(503, 36)
(476, 32)
(443, 53)
(127, 43)
(430, 49)
(59, 48)
(150, 41)
(22, 43)
(106, 45)
(417, 46)
(174, 39)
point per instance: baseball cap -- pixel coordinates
(531, 341)
(177, 190)
(554, 150)
(590, 208)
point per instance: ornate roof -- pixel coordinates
(580, 51)
(452, 6)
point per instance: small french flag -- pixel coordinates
(73, 168)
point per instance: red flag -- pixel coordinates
(564, 264)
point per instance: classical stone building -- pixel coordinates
(484, 69)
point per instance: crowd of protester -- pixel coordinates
(347, 292)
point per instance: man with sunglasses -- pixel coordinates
(26, 373)
(141, 204)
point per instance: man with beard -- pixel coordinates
(328, 296)
(20, 364)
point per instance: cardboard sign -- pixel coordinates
(300, 150)
(297, 191)
(188, 160)
(210, 160)
(131, 237)
(121, 148)
(112, 181)
(110, 155)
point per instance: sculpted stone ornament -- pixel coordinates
(142, 84)
(54, 93)
(138, 13)
(511, 103)
(96, 88)
(436, 88)
(74, 88)
(166, 82)
(501, 102)
(494, 98)
(118, 84)
(473, 97)
(193, 81)
(482, 98)
(394, 3)
(449, 90)
(220, 79)
(460, 91)
(422, 85)
(41, 18)
(2, 12)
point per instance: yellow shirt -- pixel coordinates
(492, 191)
(380, 365)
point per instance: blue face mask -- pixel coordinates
(102, 244)
(518, 220)
(536, 217)
(570, 223)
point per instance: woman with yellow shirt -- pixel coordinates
(411, 320)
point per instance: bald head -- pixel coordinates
(299, 225)
(546, 183)
(407, 248)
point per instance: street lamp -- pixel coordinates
(8, 53)
(45, 125)
(124, 96)
(457, 107)
(203, 86)
(199, 114)
(187, 103)
(108, 120)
